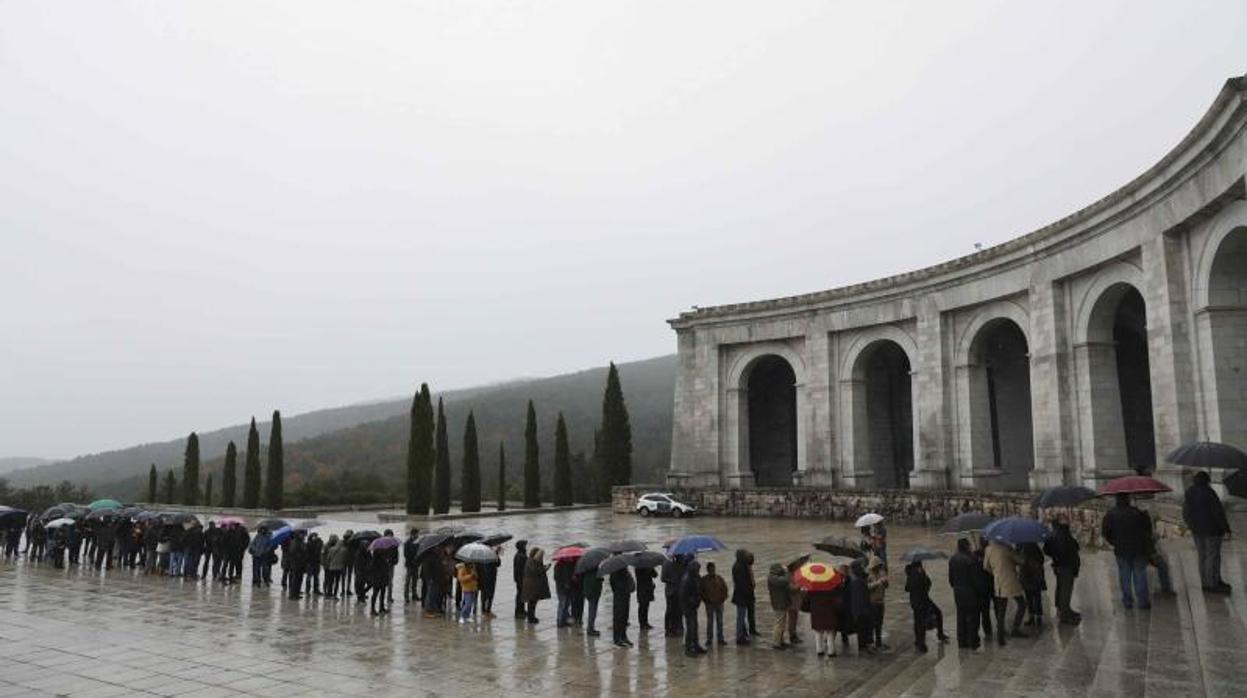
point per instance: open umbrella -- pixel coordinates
(102, 515)
(12, 518)
(968, 522)
(921, 554)
(280, 536)
(591, 558)
(308, 525)
(644, 559)
(867, 520)
(568, 553)
(627, 545)
(840, 547)
(364, 537)
(229, 521)
(477, 553)
(1207, 455)
(1133, 484)
(179, 518)
(462, 538)
(272, 524)
(1064, 496)
(1015, 530)
(57, 523)
(1236, 483)
(384, 543)
(495, 539)
(144, 516)
(817, 576)
(796, 563)
(104, 504)
(430, 541)
(693, 544)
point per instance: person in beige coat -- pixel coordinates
(1002, 562)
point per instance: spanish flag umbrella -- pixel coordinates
(817, 576)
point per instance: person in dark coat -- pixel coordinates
(644, 596)
(591, 592)
(713, 595)
(690, 602)
(294, 559)
(260, 548)
(1129, 531)
(564, 571)
(778, 587)
(744, 597)
(381, 568)
(489, 585)
(411, 566)
(431, 576)
(672, 574)
(212, 551)
(984, 587)
(536, 584)
(1062, 548)
(105, 538)
(348, 572)
(962, 577)
(315, 549)
(192, 549)
(622, 587)
(1205, 516)
(518, 565)
(860, 610)
(363, 567)
(926, 613)
(73, 541)
(1034, 584)
(825, 618)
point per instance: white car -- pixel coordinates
(662, 503)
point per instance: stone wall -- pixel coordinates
(913, 507)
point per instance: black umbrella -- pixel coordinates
(179, 518)
(1236, 483)
(272, 524)
(495, 539)
(1208, 454)
(840, 547)
(308, 525)
(146, 515)
(130, 512)
(921, 554)
(795, 564)
(969, 522)
(364, 537)
(644, 559)
(12, 518)
(102, 515)
(449, 530)
(591, 559)
(1064, 496)
(430, 541)
(464, 537)
(627, 545)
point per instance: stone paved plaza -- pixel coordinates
(85, 634)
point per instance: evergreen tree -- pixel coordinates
(208, 491)
(190, 471)
(562, 465)
(441, 474)
(502, 477)
(229, 475)
(532, 468)
(171, 486)
(153, 483)
(251, 470)
(276, 475)
(420, 453)
(470, 482)
(614, 448)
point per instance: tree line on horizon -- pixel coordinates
(428, 481)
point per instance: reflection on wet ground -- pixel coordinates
(79, 632)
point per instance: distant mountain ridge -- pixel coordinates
(372, 437)
(19, 462)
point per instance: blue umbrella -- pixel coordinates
(691, 545)
(280, 535)
(1016, 530)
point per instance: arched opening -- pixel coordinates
(1134, 381)
(772, 417)
(1227, 320)
(1000, 409)
(882, 373)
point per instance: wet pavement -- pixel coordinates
(85, 633)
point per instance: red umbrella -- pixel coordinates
(1133, 484)
(817, 576)
(570, 552)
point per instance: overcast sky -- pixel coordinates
(209, 210)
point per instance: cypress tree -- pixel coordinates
(251, 470)
(229, 475)
(441, 474)
(208, 490)
(276, 476)
(420, 453)
(470, 482)
(190, 471)
(532, 468)
(171, 486)
(153, 483)
(614, 448)
(562, 465)
(502, 477)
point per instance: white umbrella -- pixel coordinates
(57, 523)
(868, 520)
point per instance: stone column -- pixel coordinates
(695, 415)
(1047, 380)
(736, 470)
(931, 469)
(856, 471)
(816, 395)
(1102, 435)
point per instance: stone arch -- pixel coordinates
(1115, 394)
(1221, 321)
(766, 436)
(997, 430)
(880, 421)
(1006, 310)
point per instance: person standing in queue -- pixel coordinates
(644, 596)
(591, 592)
(690, 603)
(518, 565)
(536, 584)
(744, 597)
(1205, 516)
(962, 578)
(1063, 549)
(622, 587)
(411, 566)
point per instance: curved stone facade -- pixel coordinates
(1076, 353)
